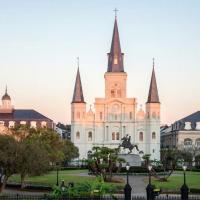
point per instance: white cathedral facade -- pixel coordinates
(116, 115)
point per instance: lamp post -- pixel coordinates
(127, 188)
(184, 188)
(149, 188)
(57, 174)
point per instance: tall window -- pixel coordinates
(115, 116)
(112, 93)
(130, 115)
(78, 135)
(90, 136)
(101, 115)
(153, 135)
(198, 143)
(117, 136)
(187, 142)
(115, 59)
(141, 136)
(113, 135)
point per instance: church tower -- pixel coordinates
(78, 110)
(115, 77)
(153, 118)
(115, 116)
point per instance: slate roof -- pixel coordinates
(78, 91)
(115, 52)
(153, 90)
(194, 117)
(23, 114)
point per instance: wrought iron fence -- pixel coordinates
(114, 197)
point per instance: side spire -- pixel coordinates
(115, 57)
(78, 91)
(153, 91)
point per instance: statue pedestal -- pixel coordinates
(132, 159)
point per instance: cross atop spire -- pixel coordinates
(78, 91)
(115, 10)
(153, 91)
(115, 57)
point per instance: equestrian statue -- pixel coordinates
(126, 144)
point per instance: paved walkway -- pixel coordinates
(138, 185)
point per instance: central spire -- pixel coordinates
(115, 57)
(153, 90)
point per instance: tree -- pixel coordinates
(70, 151)
(31, 151)
(8, 158)
(103, 161)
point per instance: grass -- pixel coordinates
(50, 178)
(176, 181)
(75, 176)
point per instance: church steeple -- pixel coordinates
(153, 91)
(115, 57)
(78, 91)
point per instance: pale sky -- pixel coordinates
(40, 40)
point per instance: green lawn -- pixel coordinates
(176, 181)
(49, 179)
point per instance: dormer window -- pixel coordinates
(188, 126)
(197, 125)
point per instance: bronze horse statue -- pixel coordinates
(126, 144)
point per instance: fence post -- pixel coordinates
(150, 192)
(127, 191)
(184, 192)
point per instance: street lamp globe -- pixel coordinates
(127, 166)
(150, 167)
(184, 167)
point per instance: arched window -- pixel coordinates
(112, 93)
(153, 135)
(187, 142)
(115, 59)
(113, 135)
(78, 135)
(115, 117)
(141, 136)
(117, 136)
(90, 136)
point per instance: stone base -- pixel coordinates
(132, 159)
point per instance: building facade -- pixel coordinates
(10, 117)
(116, 115)
(183, 134)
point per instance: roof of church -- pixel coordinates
(78, 91)
(23, 114)
(115, 57)
(153, 91)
